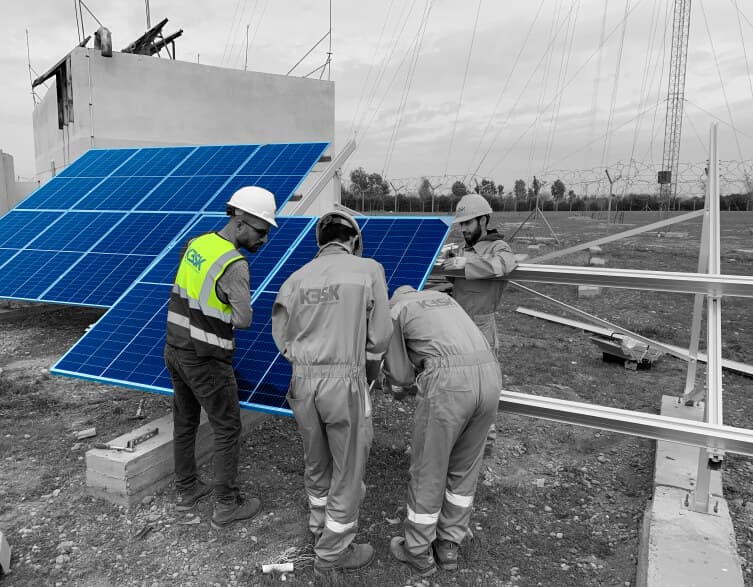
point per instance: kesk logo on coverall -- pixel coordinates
(320, 295)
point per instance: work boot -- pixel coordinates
(188, 499)
(446, 553)
(352, 559)
(422, 564)
(225, 513)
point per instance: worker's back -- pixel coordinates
(434, 325)
(332, 310)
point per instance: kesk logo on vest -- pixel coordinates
(194, 258)
(320, 295)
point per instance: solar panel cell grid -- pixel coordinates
(143, 233)
(97, 163)
(117, 193)
(158, 161)
(58, 194)
(18, 227)
(183, 193)
(75, 231)
(98, 279)
(29, 273)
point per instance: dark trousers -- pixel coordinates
(201, 382)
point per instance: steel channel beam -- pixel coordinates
(618, 236)
(693, 283)
(702, 434)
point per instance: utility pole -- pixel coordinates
(667, 177)
(611, 194)
(245, 63)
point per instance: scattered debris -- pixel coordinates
(87, 433)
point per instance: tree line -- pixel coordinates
(370, 192)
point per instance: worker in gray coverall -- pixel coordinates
(458, 393)
(484, 256)
(327, 317)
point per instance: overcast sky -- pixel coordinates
(535, 93)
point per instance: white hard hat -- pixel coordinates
(255, 201)
(471, 206)
(340, 217)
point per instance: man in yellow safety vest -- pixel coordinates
(210, 297)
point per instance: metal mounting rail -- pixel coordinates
(702, 434)
(694, 283)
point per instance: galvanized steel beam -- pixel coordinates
(702, 434)
(693, 283)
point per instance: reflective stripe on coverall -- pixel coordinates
(458, 394)
(327, 316)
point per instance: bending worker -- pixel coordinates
(327, 316)
(458, 394)
(484, 256)
(212, 296)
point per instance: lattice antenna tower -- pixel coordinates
(675, 99)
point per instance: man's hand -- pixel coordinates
(454, 263)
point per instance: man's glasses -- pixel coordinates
(262, 231)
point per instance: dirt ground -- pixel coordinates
(556, 504)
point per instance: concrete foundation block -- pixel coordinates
(597, 261)
(4, 553)
(679, 546)
(683, 547)
(126, 478)
(588, 291)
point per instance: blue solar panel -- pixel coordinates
(183, 193)
(117, 193)
(154, 161)
(75, 231)
(30, 273)
(143, 234)
(125, 346)
(98, 279)
(60, 193)
(19, 227)
(133, 202)
(97, 163)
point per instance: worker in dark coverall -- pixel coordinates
(458, 393)
(212, 296)
(327, 317)
(484, 256)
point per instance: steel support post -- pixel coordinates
(711, 459)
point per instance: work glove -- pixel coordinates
(454, 263)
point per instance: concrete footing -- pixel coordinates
(125, 478)
(4, 554)
(679, 546)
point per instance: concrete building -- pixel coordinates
(131, 100)
(12, 191)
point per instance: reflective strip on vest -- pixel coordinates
(207, 310)
(199, 334)
(318, 502)
(463, 501)
(424, 519)
(209, 282)
(337, 527)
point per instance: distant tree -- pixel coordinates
(459, 189)
(425, 191)
(487, 188)
(558, 189)
(520, 189)
(536, 185)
